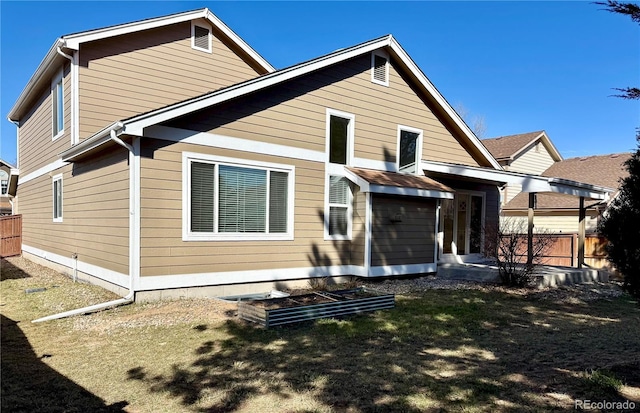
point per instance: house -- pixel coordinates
(556, 212)
(235, 177)
(529, 153)
(8, 174)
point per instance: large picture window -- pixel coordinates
(229, 199)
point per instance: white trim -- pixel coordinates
(54, 179)
(75, 99)
(187, 235)
(227, 142)
(419, 139)
(137, 124)
(58, 78)
(368, 222)
(328, 205)
(389, 270)
(57, 164)
(350, 133)
(102, 273)
(157, 282)
(135, 215)
(438, 244)
(207, 27)
(530, 183)
(384, 55)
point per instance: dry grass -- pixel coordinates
(438, 350)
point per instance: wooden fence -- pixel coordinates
(564, 251)
(10, 235)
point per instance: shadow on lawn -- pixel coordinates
(9, 271)
(456, 352)
(29, 385)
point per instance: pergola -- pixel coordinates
(532, 184)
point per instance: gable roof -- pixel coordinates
(508, 148)
(136, 124)
(601, 170)
(72, 42)
(7, 164)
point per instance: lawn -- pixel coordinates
(438, 350)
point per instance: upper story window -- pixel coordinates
(234, 199)
(4, 182)
(339, 137)
(201, 37)
(57, 198)
(380, 68)
(409, 149)
(57, 106)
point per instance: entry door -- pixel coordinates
(461, 224)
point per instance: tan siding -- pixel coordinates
(559, 224)
(36, 130)
(294, 114)
(359, 228)
(530, 162)
(163, 252)
(411, 241)
(95, 212)
(131, 74)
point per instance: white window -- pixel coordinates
(338, 196)
(380, 68)
(57, 106)
(201, 37)
(338, 221)
(409, 150)
(230, 199)
(57, 198)
(4, 182)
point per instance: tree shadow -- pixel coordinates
(8, 271)
(30, 385)
(452, 352)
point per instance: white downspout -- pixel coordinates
(133, 204)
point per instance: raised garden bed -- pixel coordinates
(311, 306)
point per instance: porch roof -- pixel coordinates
(529, 183)
(393, 183)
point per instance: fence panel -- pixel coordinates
(10, 235)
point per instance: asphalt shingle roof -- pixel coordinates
(505, 147)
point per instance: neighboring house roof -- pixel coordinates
(136, 124)
(601, 170)
(72, 42)
(7, 164)
(508, 148)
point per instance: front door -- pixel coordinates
(461, 222)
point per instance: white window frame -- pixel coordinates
(188, 235)
(54, 179)
(58, 79)
(332, 167)
(193, 37)
(384, 55)
(338, 170)
(327, 209)
(419, 144)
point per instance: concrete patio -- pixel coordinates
(546, 275)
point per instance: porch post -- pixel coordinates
(581, 230)
(532, 198)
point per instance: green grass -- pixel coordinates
(441, 350)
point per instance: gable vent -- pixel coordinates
(379, 74)
(201, 38)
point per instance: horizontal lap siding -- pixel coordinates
(557, 224)
(530, 162)
(36, 130)
(164, 253)
(359, 228)
(95, 212)
(131, 74)
(293, 114)
(410, 241)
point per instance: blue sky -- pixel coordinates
(522, 66)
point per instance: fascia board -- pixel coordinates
(431, 89)
(136, 125)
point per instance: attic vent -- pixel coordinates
(201, 39)
(379, 70)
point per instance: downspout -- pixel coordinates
(129, 298)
